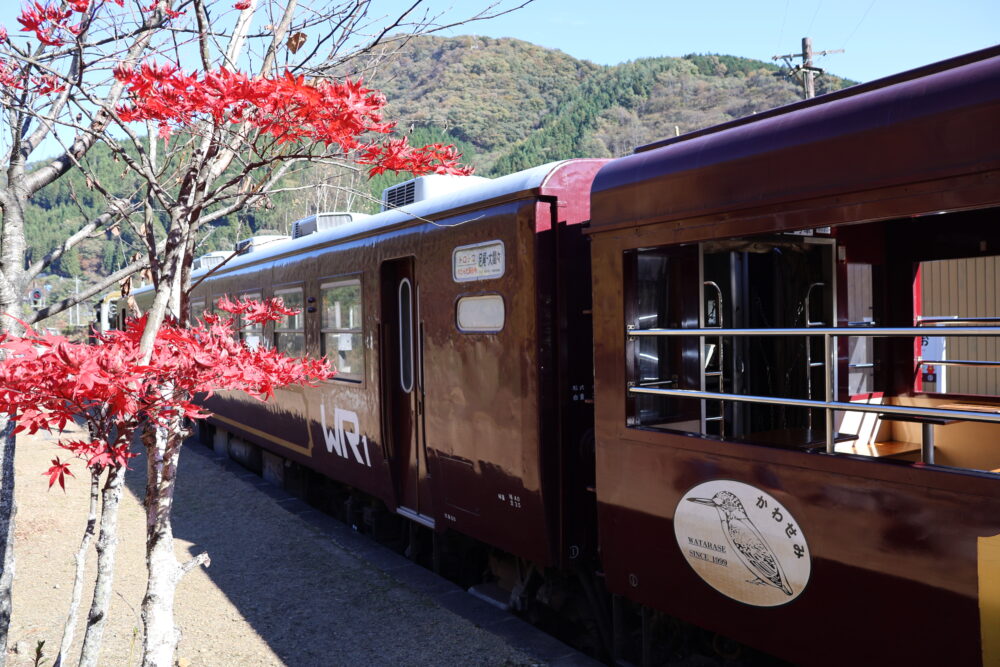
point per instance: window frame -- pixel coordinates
(407, 364)
(277, 329)
(261, 329)
(197, 308)
(480, 296)
(359, 330)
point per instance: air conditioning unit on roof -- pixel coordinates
(210, 260)
(322, 221)
(425, 187)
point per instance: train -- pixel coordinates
(691, 391)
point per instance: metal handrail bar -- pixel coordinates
(865, 365)
(829, 406)
(962, 320)
(873, 332)
(935, 413)
(957, 362)
(809, 322)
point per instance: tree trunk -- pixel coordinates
(81, 560)
(12, 249)
(7, 511)
(161, 636)
(107, 544)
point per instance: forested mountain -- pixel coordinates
(506, 104)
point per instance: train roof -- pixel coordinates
(930, 123)
(551, 178)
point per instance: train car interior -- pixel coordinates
(916, 310)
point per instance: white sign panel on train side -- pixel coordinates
(480, 261)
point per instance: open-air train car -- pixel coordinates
(773, 461)
(459, 397)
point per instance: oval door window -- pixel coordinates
(406, 335)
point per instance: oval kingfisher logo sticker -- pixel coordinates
(743, 543)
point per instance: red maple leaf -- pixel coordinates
(58, 472)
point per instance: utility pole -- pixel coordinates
(805, 72)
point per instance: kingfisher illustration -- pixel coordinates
(746, 540)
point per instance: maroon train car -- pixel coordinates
(460, 395)
(772, 463)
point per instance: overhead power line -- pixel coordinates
(863, 17)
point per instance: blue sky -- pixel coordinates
(880, 37)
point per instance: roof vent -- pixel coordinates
(425, 187)
(399, 195)
(210, 260)
(322, 221)
(253, 243)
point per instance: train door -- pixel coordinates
(402, 388)
(777, 282)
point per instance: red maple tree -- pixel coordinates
(47, 382)
(289, 108)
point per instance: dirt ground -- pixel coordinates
(278, 592)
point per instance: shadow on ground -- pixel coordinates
(317, 593)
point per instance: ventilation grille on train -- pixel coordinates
(399, 195)
(321, 221)
(426, 187)
(207, 261)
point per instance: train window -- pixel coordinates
(689, 350)
(341, 328)
(660, 362)
(406, 335)
(252, 333)
(480, 314)
(821, 343)
(289, 332)
(197, 309)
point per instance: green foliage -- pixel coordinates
(63, 207)
(564, 135)
(488, 92)
(718, 65)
